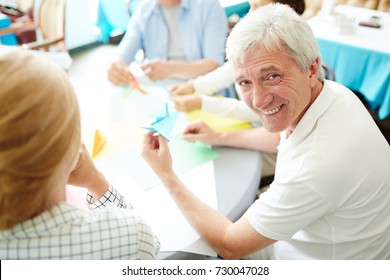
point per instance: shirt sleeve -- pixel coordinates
(215, 32)
(112, 196)
(148, 244)
(230, 108)
(216, 80)
(286, 208)
(131, 43)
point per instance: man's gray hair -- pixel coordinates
(276, 27)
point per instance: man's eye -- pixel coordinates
(243, 83)
(273, 79)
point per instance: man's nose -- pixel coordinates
(260, 97)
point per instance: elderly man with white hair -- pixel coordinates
(331, 195)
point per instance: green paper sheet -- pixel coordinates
(187, 155)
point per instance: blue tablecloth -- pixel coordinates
(362, 70)
(9, 39)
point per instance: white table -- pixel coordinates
(325, 26)
(361, 59)
(237, 172)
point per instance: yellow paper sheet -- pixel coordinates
(218, 123)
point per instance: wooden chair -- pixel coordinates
(384, 5)
(50, 23)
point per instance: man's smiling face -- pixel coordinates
(276, 88)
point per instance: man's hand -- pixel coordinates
(187, 103)
(85, 174)
(199, 131)
(119, 74)
(156, 153)
(156, 70)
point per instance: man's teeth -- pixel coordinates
(273, 111)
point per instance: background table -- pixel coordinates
(360, 60)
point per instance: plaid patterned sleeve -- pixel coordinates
(112, 196)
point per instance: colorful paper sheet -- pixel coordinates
(188, 155)
(185, 156)
(218, 123)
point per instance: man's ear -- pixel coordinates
(313, 70)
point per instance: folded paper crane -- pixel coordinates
(163, 125)
(99, 142)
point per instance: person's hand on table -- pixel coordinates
(182, 89)
(187, 103)
(119, 74)
(85, 174)
(199, 131)
(156, 69)
(156, 153)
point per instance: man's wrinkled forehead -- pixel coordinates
(258, 51)
(246, 57)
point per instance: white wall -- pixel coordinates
(80, 29)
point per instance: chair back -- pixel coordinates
(51, 19)
(384, 5)
(329, 73)
(25, 5)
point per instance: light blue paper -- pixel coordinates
(163, 125)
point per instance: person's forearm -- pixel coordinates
(230, 108)
(230, 240)
(98, 187)
(257, 139)
(209, 223)
(190, 70)
(212, 82)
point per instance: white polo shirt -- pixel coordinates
(331, 194)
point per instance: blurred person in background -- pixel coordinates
(180, 39)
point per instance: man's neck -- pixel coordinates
(315, 93)
(169, 3)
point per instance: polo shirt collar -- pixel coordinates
(313, 114)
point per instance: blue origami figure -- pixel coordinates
(163, 125)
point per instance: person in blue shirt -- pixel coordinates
(180, 39)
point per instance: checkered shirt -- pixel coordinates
(111, 230)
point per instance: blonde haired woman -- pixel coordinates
(40, 153)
